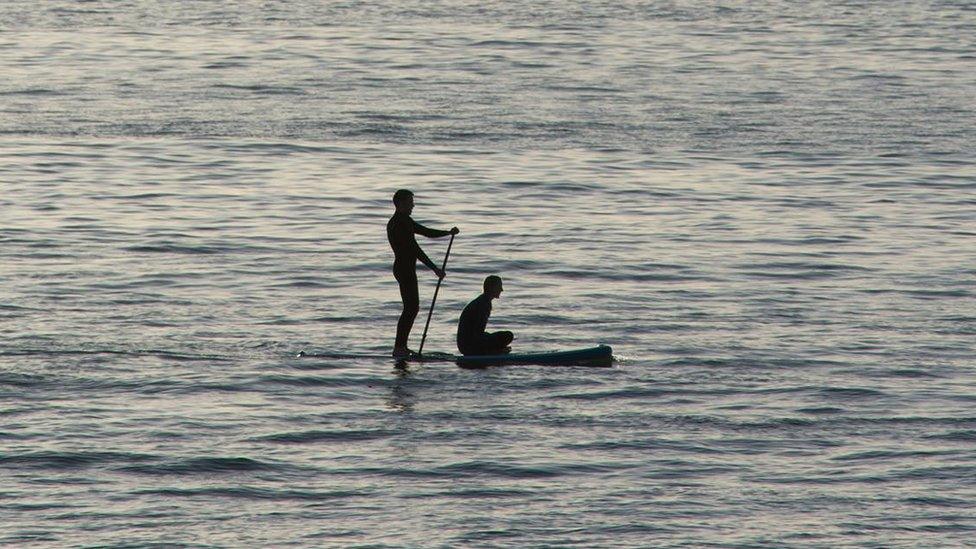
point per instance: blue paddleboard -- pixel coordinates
(601, 355)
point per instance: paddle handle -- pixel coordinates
(430, 313)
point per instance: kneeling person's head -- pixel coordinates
(493, 286)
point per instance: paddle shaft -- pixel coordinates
(430, 313)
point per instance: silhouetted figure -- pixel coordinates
(471, 336)
(400, 230)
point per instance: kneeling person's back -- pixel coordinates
(472, 339)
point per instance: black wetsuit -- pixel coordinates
(471, 336)
(400, 230)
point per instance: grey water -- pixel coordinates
(767, 208)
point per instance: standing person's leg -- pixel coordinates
(407, 278)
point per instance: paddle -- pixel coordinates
(420, 351)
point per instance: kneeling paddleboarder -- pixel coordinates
(471, 336)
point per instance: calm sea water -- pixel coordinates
(768, 209)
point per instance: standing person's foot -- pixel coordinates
(402, 352)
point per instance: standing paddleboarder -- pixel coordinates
(400, 231)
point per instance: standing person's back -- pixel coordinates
(472, 339)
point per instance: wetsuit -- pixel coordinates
(400, 230)
(471, 336)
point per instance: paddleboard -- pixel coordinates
(432, 356)
(601, 355)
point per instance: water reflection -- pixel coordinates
(401, 399)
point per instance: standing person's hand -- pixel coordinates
(455, 230)
(439, 272)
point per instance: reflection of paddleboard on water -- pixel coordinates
(599, 356)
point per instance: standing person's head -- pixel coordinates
(403, 200)
(493, 286)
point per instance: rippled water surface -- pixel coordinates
(767, 209)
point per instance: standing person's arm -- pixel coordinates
(426, 261)
(432, 233)
(421, 255)
(400, 232)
